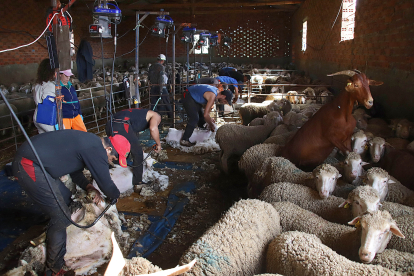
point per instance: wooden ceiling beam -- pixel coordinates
(167, 6)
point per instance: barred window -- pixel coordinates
(348, 19)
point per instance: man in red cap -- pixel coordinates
(66, 152)
(71, 111)
(129, 123)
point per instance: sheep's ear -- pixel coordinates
(367, 116)
(390, 181)
(364, 163)
(345, 204)
(339, 175)
(354, 221)
(395, 230)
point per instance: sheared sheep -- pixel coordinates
(254, 157)
(361, 200)
(237, 243)
(363, 242)
(296, 253)
(278, 169)
(236, 139)
(254, 110)
(398, 143)
(389, 188)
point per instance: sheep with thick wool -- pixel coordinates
(250, 111)
(236, 244)
(361, 200)
(236, 139)
(296, 253)
(363, 242)
(278, 169)
(254, 157)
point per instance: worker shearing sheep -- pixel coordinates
(128, 123)
(80, 150)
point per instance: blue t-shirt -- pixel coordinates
(197, 92)
(228, 80)
(227, 69)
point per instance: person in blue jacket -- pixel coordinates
(71, 111)
(193, 101)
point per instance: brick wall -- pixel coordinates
(256, 37)
(383, 47)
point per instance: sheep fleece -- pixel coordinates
(236, 244)
(296, 253)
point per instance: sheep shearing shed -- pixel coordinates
(236, 244)
(362, 199)
(296, 253)
(331, 126)
(236, 139)
(362, 243)
(278, 169)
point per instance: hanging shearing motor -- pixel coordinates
(188, 35)
(213, 40)
(161, 24)
(227, 41)
(103, 15)
(204, 38)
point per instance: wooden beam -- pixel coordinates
(247, 12)
(213, 5)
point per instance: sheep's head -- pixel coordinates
(325, 177)
(363, 199)
(377, 148)
(272, 118)
(353, 167)
(378, 179)
(358, 84)
(376, 231)
(359, 142)
(403, 128)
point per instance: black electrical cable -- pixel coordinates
(45, 174)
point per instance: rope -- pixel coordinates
(156, 103)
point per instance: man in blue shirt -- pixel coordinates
(230, 84)
(193, 101)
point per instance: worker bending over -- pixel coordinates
(65, 152)
(230, 84)
(129, 123)
(193, 101)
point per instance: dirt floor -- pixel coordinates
(215, 192)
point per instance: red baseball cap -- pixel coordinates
(122, 147)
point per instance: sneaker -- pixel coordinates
(186, 143)
(49, 272)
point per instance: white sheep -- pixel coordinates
(377, 148)
(278, 169)
(296, 253)
(361, 200)
(389, 188)
(254, 157)
(353, 171)
(359, 142)
(354, 243)
(236, 139)
(405, 223)
(236, 244)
